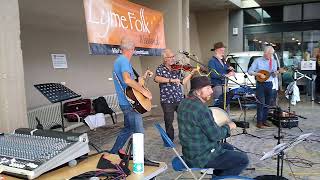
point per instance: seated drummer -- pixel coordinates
(200, 136)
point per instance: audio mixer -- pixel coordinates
(28, 153)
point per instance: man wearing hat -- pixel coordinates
(200, 136)
(219, 69)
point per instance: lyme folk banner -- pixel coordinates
(110, 20)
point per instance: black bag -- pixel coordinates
(100, 105)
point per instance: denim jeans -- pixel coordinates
(229, 163)
(132, 124)
(168, 112)
(264, 95)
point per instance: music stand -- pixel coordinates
(280, 150)
(56, 92)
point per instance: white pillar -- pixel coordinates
(12, 92)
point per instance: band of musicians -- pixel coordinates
(160, 89)
(203, 141)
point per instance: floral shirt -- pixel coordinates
(169, 92)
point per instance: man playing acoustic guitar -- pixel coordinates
(123, 76)
(265, 69)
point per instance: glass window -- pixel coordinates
(292, 54)
(311, 44)
(252, 16)
(257, 42)
(311, 11)
(272, 14)
(292, 13)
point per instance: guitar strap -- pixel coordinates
(124, 92)
(136, 74)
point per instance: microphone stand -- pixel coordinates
(244, 73)
(244, 131)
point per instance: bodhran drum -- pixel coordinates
(232, 178)
(220, 116)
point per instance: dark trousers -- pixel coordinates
(229, 163)
(273, 101)
(168, 112)
(264, 95)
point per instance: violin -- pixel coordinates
(186, 67)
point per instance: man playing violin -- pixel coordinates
(264, 89)
(200, 136)
(170, 83)
(218, 69)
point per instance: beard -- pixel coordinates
(204, 98)
(207, 98)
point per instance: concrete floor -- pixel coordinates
(306, 155)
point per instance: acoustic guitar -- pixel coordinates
(268, 74)
(138, 101)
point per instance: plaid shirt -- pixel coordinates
(199, 134)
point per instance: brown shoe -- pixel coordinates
(266, 124)
(260, 126)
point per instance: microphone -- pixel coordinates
(184, 52)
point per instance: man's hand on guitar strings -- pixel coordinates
(147, 94)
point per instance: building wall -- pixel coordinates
(212, 27)
(236, 21)
(87, 74)
(194, 37)
(12, 90)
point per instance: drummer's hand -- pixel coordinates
(232, 125)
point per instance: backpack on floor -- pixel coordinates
(100, 105)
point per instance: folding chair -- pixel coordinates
(178, 163)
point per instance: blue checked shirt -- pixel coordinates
(198, 133)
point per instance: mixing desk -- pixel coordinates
(28, 153)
